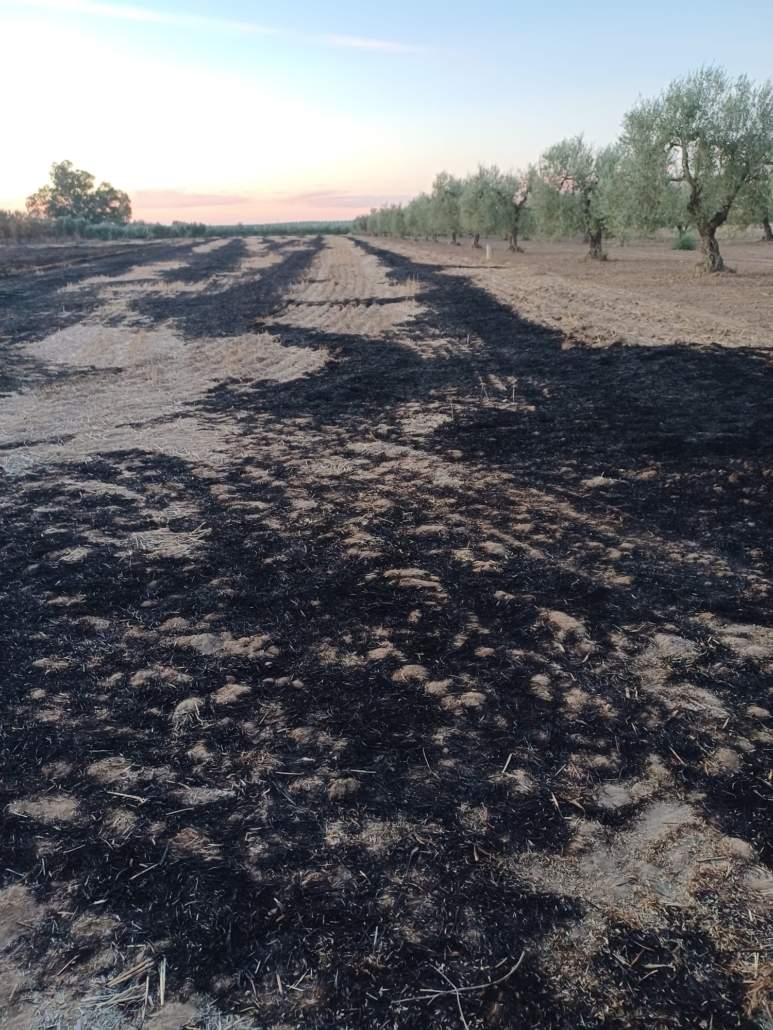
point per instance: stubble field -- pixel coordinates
(388, 637)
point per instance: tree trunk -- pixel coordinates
(595, 239)
(454, 240)
(512, 241)
(712, 259)
(768, 229)
(476, 240)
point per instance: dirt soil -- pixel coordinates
(644, 293)
(380, 650)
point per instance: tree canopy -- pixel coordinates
(711, 134)
(445, 200)
(483, 204)
(516, 189)
(576, 190)
(71, 193)
(755, 205)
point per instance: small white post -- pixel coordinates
(488, 252)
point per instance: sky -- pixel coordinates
(239, 110)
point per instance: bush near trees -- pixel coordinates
(696, 157)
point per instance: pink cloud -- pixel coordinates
(229, 208)
(151, 200)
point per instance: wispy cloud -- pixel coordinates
(184, 19)
(131, 12)
(165, 199)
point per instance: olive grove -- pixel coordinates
(698, 156)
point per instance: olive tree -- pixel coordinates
(446, 197)
(483, 204)
(71, 193)
(711, 133)
(418, 216)
(394, 220)
(755, 206)
(575, 190)
(515, 189)
(638, 201)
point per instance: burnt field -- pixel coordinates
(374, 657)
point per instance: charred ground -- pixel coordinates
(448, 665)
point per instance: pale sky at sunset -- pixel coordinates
(247, 111)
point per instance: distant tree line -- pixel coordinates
(336, 228)
(71, 205)
(698, 156)
(16, 227)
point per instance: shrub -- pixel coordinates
(684, 241)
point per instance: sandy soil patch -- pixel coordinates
(344, 292)
(144, 404)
